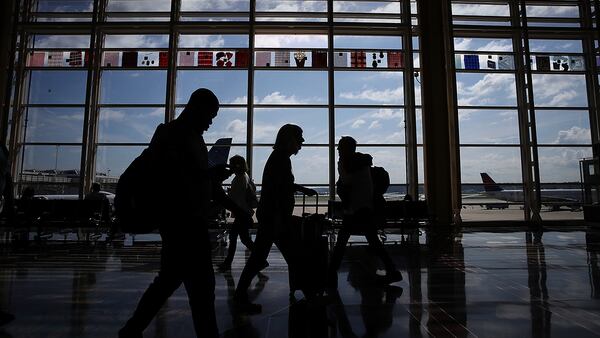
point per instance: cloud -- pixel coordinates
(397, 137)
(469, 44)
(203, 41)
(156, 112)
(480, 10)
(358, 123)
(291, 41)
(387, 114)
(291, 6)
(138, 6)
(137, 41)
(381, 96)
(265, 132)
(559, 90)
(375, 125)
(213, 5)
(241, 100)
(236, 127)
(112, 115)
(561, 164)
(62, 41)
(492, 89)
(71, 117)
(553, 11)
(574, 135)
(278, 98)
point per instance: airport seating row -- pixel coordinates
(402, 215)
(47, 216)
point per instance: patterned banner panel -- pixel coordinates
(57, 59)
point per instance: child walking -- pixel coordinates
(242, 193)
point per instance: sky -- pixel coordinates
(487, 115)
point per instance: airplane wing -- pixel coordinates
(219, 153)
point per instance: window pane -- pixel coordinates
(111, 161)
(290, 87)
(371, 126)
(136, 41)
(553, 11)
(61, 41)
(298, 6)
(230, 86)
(482, 45)
(488, 126)
(213, 41)
(54, 125)
(381, 7)
(563, 127)
(230, 122)
(64, 6)
(132, 86)
(561, 165)
(502, 164)
(203, 5)
(138, 6)
(480, 10)
(55, 87)
(553, 46)
(136, 125)
(310, 165)
(290, 41)
(486, 89)
(367, 42)
(551, 90)
(393, 159)
(312, 121)
(369, 88)
(59, 161)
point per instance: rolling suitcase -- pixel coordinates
(310, 253)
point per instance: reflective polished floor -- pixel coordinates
(496, 283)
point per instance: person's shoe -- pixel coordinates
(264, 265)
(129, 333)
(242, 304)
(224, 267)
(6, 318)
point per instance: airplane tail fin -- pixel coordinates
(489, 184)
(219, 153)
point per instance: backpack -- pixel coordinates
(381, 183)
(136, 201)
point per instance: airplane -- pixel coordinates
(554, 198)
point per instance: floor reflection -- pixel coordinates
(465, 284)
(541, 316)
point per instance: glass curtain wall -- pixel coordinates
(94, 90)
(525, 84)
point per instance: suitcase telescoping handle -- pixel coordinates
(304, 203)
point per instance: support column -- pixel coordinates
(442, 174)
(7, 54)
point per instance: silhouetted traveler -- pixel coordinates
(243, 194)
(355, 188)
(183, 185)
(95, 194)
(274, 211)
